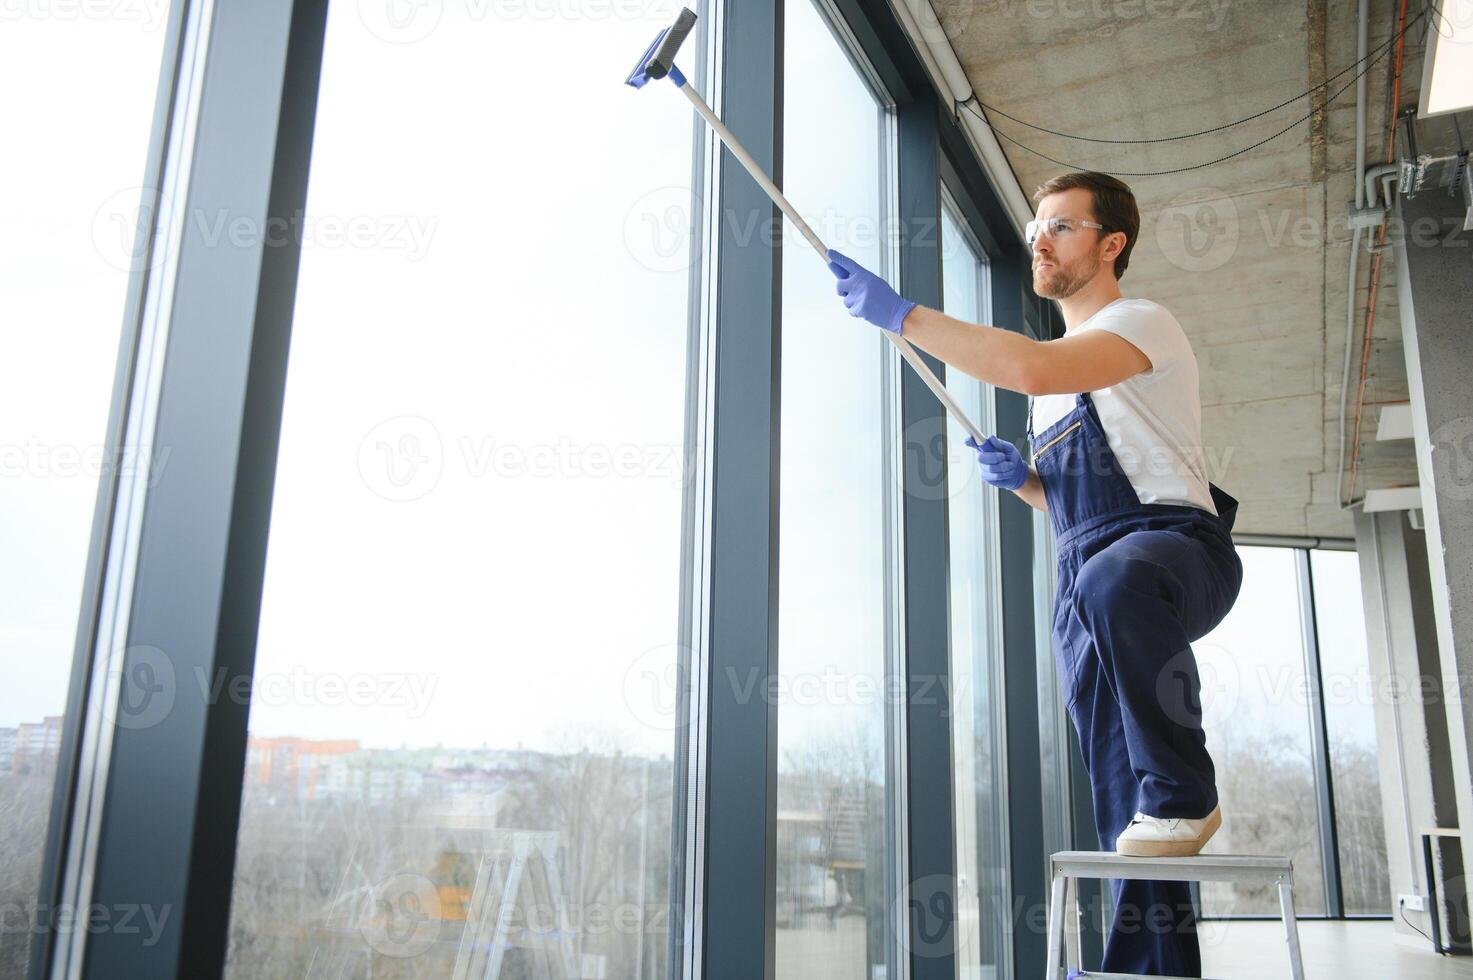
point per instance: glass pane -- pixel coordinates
(1255, 710)
(461, 735)
(982, 905)
(1350, 715)
(832, 624)
(1054, 725)
(77, 119)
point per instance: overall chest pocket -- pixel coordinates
(1048, 446)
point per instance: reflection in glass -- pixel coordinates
(75, 150)
(977, 740)
(462, 727)
(1349, 694)
(833, 601)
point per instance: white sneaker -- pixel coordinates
(1149, 836)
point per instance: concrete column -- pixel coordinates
(1417, 785)
(1434, 271)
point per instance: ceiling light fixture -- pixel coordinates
(1447, 73)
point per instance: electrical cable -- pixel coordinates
(1402, 909)
(1177, 170)
(1200, 132)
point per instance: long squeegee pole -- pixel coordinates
(906, 350)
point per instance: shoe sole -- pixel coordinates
(1171, 848)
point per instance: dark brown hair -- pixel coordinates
(1112, 202)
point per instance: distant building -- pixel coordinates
(293, 764)
(30, 746)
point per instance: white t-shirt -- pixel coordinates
(1152, 421)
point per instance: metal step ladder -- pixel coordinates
(1067, 866)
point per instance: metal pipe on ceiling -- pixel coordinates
(928, 37)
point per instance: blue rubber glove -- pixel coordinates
(1003, 465)
(867, 295)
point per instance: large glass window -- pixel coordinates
(836, 626)
(79, 107)
(461, 730)
(976, 641)
(1257, 716)
(1349, 692)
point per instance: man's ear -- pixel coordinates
(1114, 245)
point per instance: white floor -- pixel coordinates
(1332, 949)
(1231, 950)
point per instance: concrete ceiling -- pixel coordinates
(1252, 253)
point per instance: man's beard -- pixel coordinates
(1064, 281)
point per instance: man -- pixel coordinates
(1146, 562)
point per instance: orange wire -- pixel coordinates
(1365, 354)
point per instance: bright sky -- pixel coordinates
(451, 560)
(77, 141)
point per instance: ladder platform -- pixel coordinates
(1092, 975)
(1064, 913)
(1198, 867)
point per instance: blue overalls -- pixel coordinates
(1137, 583)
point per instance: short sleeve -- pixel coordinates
(1149, 327)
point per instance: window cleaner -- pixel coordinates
(1146, 561)
(659, 62)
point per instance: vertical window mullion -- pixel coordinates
(1319, 736)
(736, 891)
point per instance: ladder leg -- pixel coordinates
(1055, 927)
(1071, 923)
(1291, 928)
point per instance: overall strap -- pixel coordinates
(1081, 399)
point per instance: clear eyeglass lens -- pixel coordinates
(1052, 227)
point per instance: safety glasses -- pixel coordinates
(1055, 227)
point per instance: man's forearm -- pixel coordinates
(999, 357)
(1031, 492)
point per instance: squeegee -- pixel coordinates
(659, 62)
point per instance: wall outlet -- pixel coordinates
(1413, 902)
